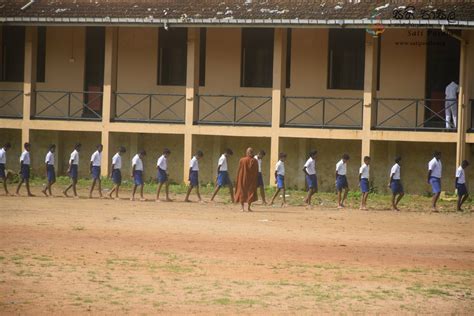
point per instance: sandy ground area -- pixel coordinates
(70, 256)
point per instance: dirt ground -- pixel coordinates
(68, 256)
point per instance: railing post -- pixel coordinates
(149, 107)
(376, 101)
(69, 104)
(324, 112)
(416, 115)
(235, 110)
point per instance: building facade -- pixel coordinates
(373, 86)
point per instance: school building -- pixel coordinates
(356, 77)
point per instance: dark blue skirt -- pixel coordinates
(312, 181)
(194, 178)
(25, 171)
(260, 180)
(462, 190)
(223, 178)
(73, 173)
(138, 177)
(341, 182)
(396, 186)
(162, 177)
(96, 172)
(364, 185)
(117, 176)
(2, 170)
(280, 181)
(51, 174)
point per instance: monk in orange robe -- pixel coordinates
(246, 184)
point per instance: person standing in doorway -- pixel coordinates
(451, 104)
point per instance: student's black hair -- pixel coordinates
(99, 146)
(282, 155)
(346, 157)
(199, 153)
(465, 163)
(398, 159)
(366, 158)
(436, 153)
(166, 151)
(7, 145)
(122, 149)
(78, 145)
(229, 151)
(312, 153)
(52, 146)
(26, 145)
(262, 152)
(142, 152)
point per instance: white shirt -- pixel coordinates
(259, 163)
(96, 158)
(460, 175)
(117, 161)
(395, 172)
(25, 157)
(222, 162)
(451, 90)
(194, 164)
(49, 158)
(341, 168)
(364, 171)
(74, 157)
(162, 163)
(310, 166)
(3, 155)
(137, 162)
(436, 167)
(280, 168)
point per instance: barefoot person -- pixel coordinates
(461, 184)
(395, 184)
(260, 184)
(194, 176)
(116, 173)
(50, 172)
(246, 184)
(137, 174)
(3, 162)
(280, 179)
(309, 170)
(25, 169)
(364, 172)
(435, 169)
(162, 176)
(96, 161)
(73, 170)
(341, 180)
(223, 178)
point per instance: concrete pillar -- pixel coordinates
(192, 89)
(463, 101)
(370, 92)
(29, 81)
(108, 97)
(278, 92)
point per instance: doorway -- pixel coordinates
(94, 72)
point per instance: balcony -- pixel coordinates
(67, 105)
(11, 103)
(323, 112)
(234, 110)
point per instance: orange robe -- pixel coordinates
(246, 184)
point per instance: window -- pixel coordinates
(202, 57)
(257, 57)
(41, 55)
(346, 59)
(13, 53)
(172, 50)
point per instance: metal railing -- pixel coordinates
(11, 103)
(82, 105)
(323, 112)
(234, 110)
(150, 107)
(412, 114)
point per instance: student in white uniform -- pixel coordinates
(223, 178)
(116, 173)
(435, 169)
(395, 184)
(309, 170)
(73, 170)
(341, 180)
(50, 171)
(364, 173)
(25, 163)
(280, 179)
(194, 176)
(260, 183)
(3, 162)
(451, 104)
(461, 184)
(137, 174)
(95, 164)
(162, 175)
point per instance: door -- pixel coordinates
(94, 72)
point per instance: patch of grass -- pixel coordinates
(78, 228)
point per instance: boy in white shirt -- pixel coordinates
(3, 162)
(25, 163)
(309, 170)
(50, 172)
(364, 173)
(73, 170)
(280, 179)
(223, 178)
(435, 169)
(461, 184)
(137, 174)
(116, 173)
(96, 161)
(341, 180)
(395, 184)
(260, 184)
(194, 176)
(162, 176)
